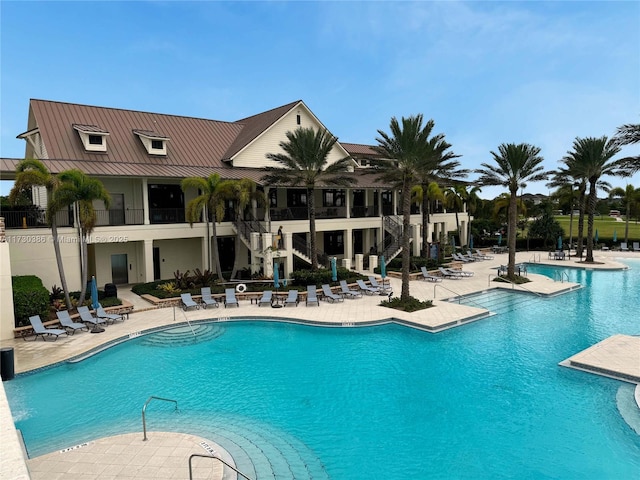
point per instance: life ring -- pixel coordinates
(241, 288)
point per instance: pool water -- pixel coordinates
(485, 400)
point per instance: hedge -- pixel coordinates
(30, 297)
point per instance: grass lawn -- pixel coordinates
(604, 225)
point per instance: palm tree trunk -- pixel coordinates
(238, 245)
(406, 240)
(208, 238)
(216, 254)
(590, 211)
(626, 221)
(425, 221)
(312, 228)
(84, 270)
(56, 249)
(511, 234)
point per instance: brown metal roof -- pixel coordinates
(88, 128)
(359, 150)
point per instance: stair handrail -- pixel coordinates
(305, 248)
(214, 457)
(186, 318)
(458, 296)
(144, 409)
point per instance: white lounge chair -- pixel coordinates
(187, 302)
(346, 291)
(329, 295)
(207, 299)
(230, 297)
(374, 283)
(624, 247)
(312, 295)
(113, 317)
(427, 276)
(448, 274)
(636, 246)
(69, 325)
(366, 288)
(266, 299)
(292, 298)
(462, 273)
(40, 331)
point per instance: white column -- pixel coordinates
(359, 261)
(145, 201)
(416, 240)
(347, 202)
(373, 262)
(348, 243)
(148, 261)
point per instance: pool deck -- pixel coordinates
(105, 463)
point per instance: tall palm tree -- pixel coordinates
(404, 152)
(242, 192)
(501, 206)
(208, 203)
(515, 165)
(471, 201)
(305, 163)
(32, 173)
(628, 135)
(453, 197)
(630, 197)
(593, 159)
(81, 191)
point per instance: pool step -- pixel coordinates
(499, 300)
(183, 335)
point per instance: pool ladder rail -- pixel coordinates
(144, 409)
(213, 457)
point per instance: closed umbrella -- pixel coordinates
(453, 243)
(95, 302)
(615, 236)
(276, 276)
(471, 242)
(560, 242)
(596, 237)
(383, 268)
(499, 239)
(334, 270)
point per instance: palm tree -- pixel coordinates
(515, 165)
(453, 197)
(241, 192)
(405, 151)
(628, 135)
(81, 191)
(630, 197)
(471, 201)
(32, 173)
(592, 160)
(210, 201)
(424, 195)
(305, 163)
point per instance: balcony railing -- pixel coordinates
(166, 215)
(361, 212)
(34, 218)
(120, 217)
(302, 213)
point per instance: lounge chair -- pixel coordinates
(69, 325)
(462, 273)
(475, 256)
(329, 295)
(312, 295)
(374, 284)
(207, 299)
(109, 317)
(461, 258)
(40, 331)
(87, 317)
(484, 256)
(266, 299)
(346, 291)
(292, 298)
(230, 297)
(427, 276)
(366, 288)
(636, 246)
(187, 302)
(624, 247)
(448, 274)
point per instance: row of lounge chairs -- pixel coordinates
(69, 326)
(625, 248)
(470, 256)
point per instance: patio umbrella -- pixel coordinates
(615, 236)
(276, 276)
(334, 270)
(453, 243)
(383, 268)
(471, 242)
(596, 237)
(499, 239)
(94, 293)
(560, 242)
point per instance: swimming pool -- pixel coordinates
(486, 400)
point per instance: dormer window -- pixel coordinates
(94, 138)
(154, 143)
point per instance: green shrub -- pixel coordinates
(411, 305)
(323, 275)
(30, 297)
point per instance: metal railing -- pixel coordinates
(166, 215)
(304, 247)
(513, 284)
(561, 276)
(458, 296)
(361, 211)
(144, 409)
(213, 457)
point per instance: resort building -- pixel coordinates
(141, 158)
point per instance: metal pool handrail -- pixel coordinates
(144, 409)
(215, 458)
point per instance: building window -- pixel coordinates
(298, 121)
(154, 143)
(95, 139)
(273, 198)
(157, 144)
(296, 197)
(334, 243)
(333, 198)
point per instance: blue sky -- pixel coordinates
(486, 72)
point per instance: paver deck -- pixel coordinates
(350, 313)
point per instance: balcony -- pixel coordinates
(302, 213)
